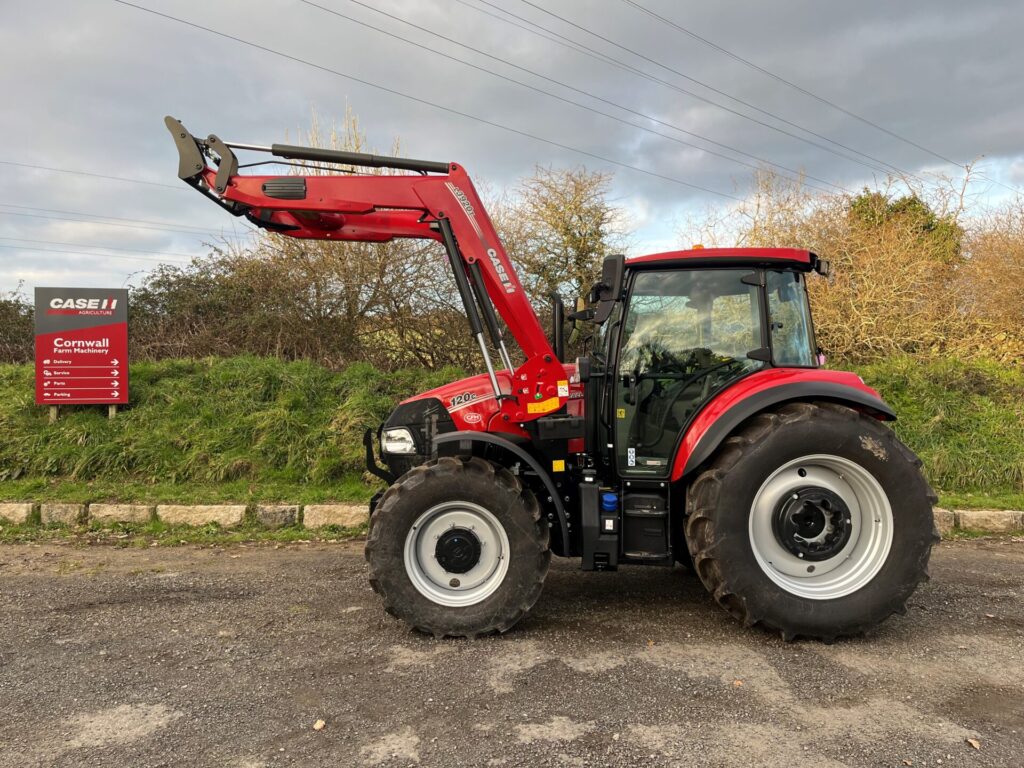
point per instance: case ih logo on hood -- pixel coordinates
(59, 306)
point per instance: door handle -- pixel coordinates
(630, 395)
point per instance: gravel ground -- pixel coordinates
(228, 656)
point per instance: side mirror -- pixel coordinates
(608, 291)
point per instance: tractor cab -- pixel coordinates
(677, 331)
(691, 324)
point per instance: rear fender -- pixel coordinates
(749, 396)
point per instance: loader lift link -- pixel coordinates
(701, 429)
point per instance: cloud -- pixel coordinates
(87, 86)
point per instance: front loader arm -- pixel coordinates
(440, 203)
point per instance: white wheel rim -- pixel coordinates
(456, 589)
(870, 520)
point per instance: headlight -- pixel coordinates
(397, 440)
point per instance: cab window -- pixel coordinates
(790, 319)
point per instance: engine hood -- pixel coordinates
(471, 405)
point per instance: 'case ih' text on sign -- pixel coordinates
(81, 346)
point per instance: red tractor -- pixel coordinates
(700, 429)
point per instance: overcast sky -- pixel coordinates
(86, 84)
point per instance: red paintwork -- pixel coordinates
(377, 208)
(751, 385)
(479, 413)
(760, 255)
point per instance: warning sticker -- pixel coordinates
(558, 465)
(563, 388)
(544, 406)
(620, 413)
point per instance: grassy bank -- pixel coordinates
(251, 429)
(237, 429)
(965, 421)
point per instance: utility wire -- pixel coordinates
(175, 187)
(79, 253)
(565, 100)
(102, 223)
(104, 247)
(183, 227)
(737, 100)
(425, 102)
(791, 84)
(564, 42)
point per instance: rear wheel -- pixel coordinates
(812, 520)
(457, 547)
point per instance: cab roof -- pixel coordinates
(795, 258)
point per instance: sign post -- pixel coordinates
(81, 347)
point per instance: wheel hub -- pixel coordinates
(812, 523)
(457, 550)
(456, 553)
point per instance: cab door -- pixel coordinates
(685, 335)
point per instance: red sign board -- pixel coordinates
(81, 346)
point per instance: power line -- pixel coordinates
(103, 247)
(551, 37)
(569, 87)
(789, 83)
(79, 253)
(184, 227)
(426, 102)
(625, 67)
(103, 223)
(175, 187)
(737, 100)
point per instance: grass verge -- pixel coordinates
(37, 489)
(161, 534)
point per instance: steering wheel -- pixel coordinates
(683, 386)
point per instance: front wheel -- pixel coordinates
(812, 520)
(457, 547)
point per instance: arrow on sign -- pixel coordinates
(114, 372)
(115, 362)
(114, 383)
(115, 393)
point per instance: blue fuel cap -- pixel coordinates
(609, 502)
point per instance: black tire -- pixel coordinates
(680, 551)
(464, 479)
(721, 500)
